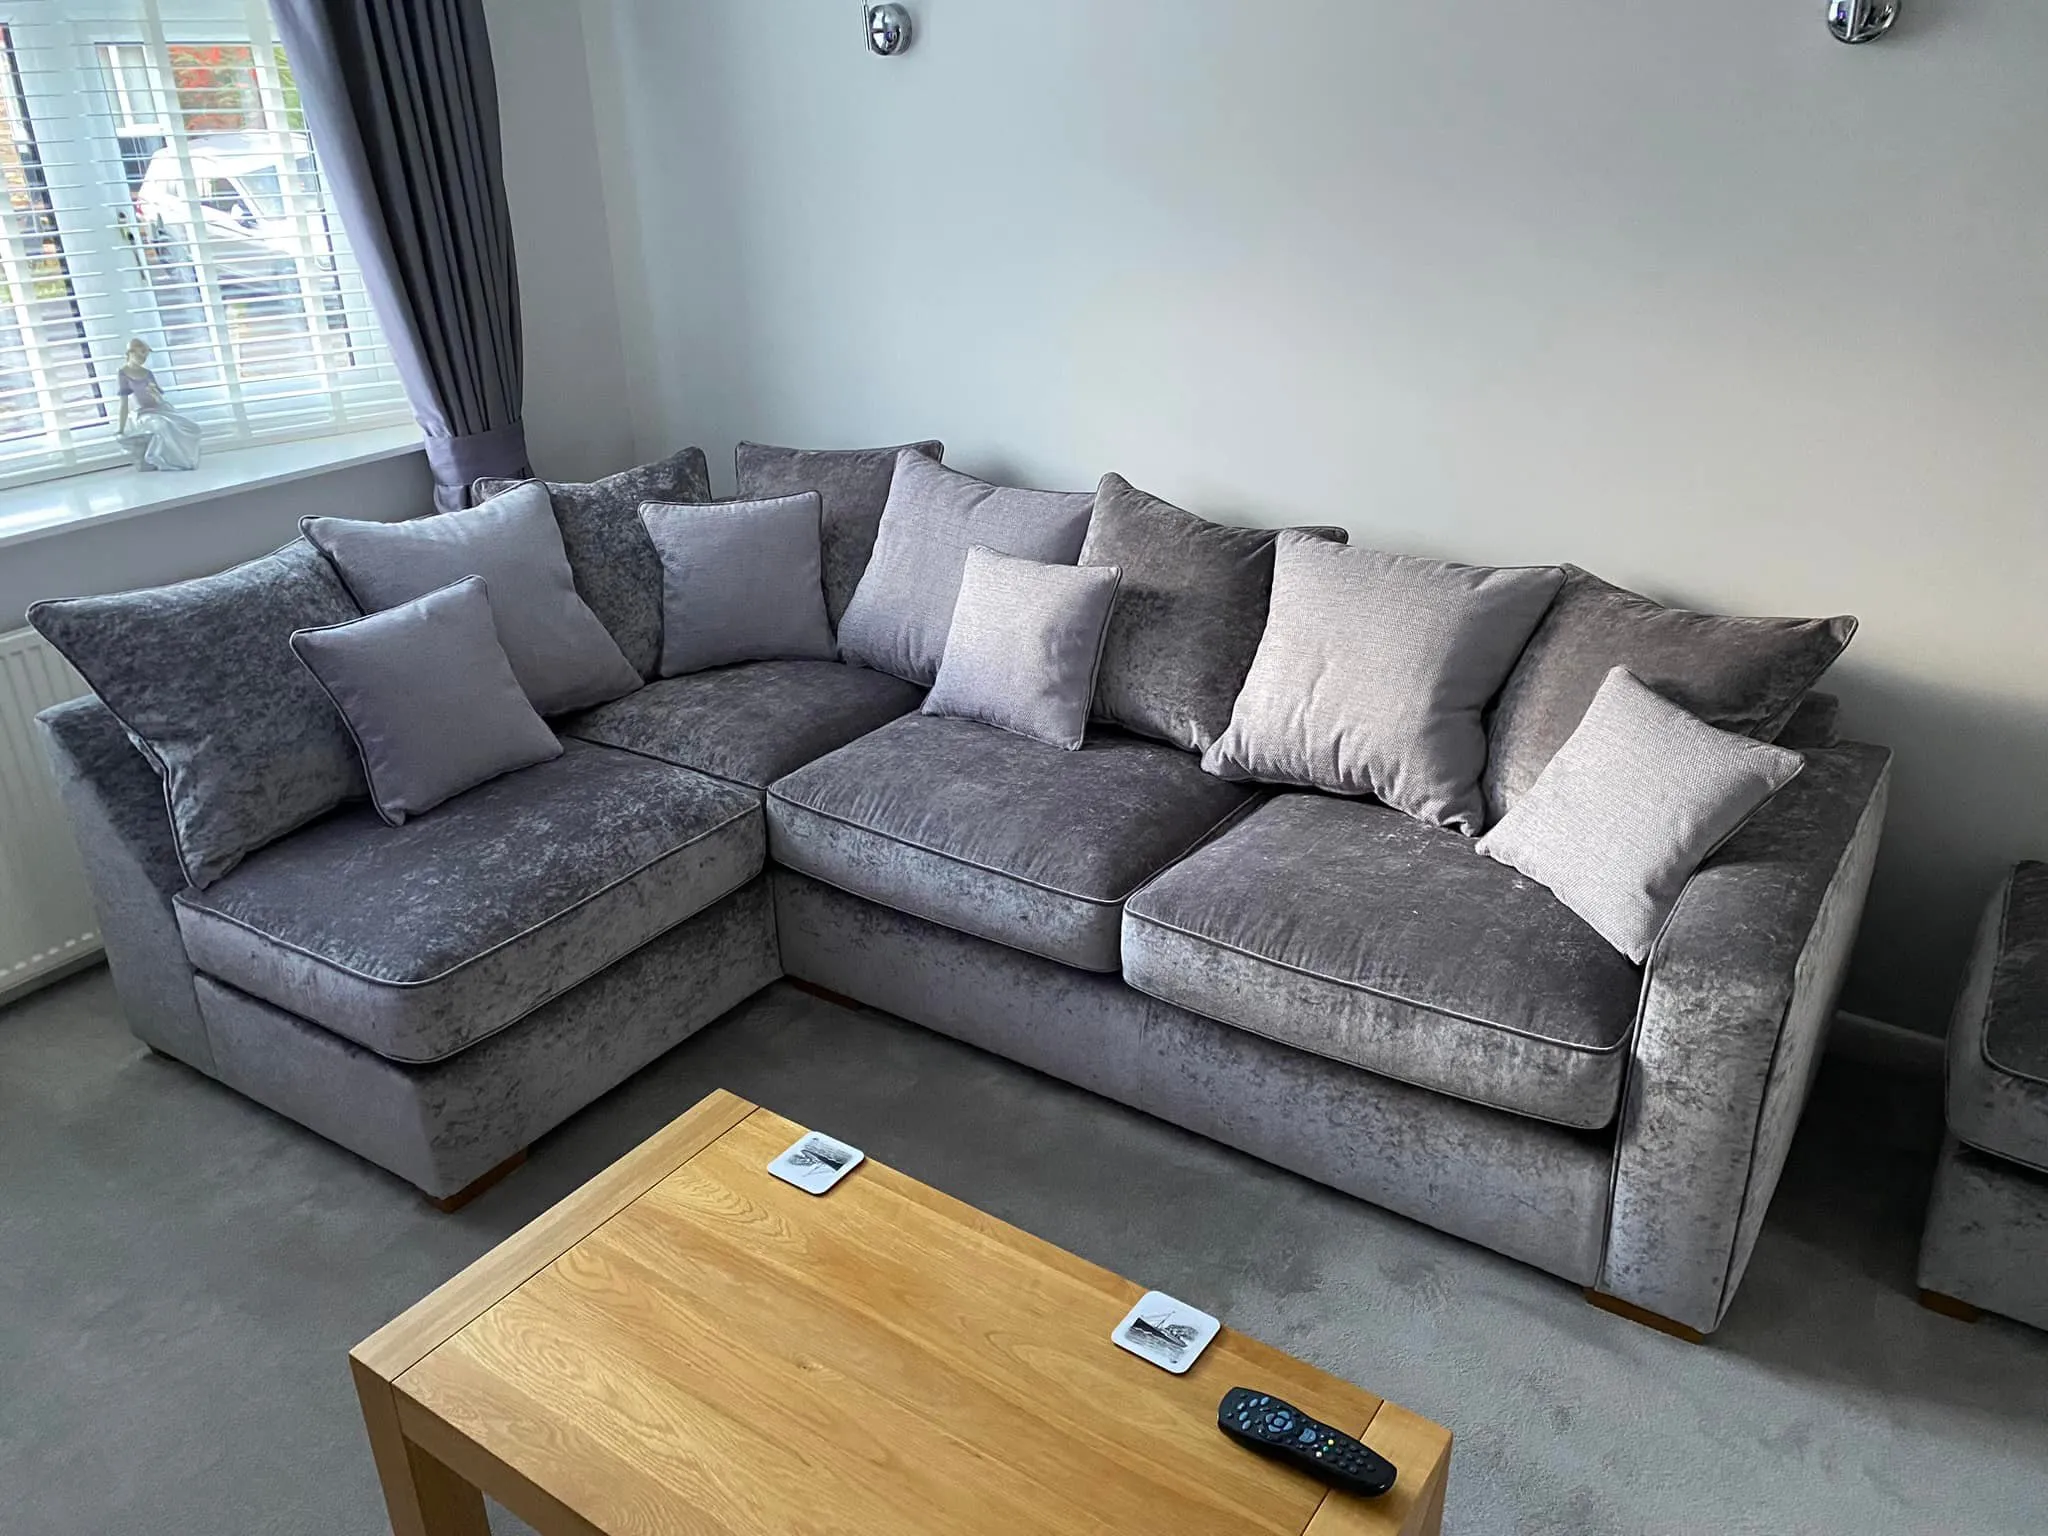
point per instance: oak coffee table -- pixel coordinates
(688, 1345)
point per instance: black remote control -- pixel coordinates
(1284, 1432)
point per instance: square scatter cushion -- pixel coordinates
(852, 483)
(1025, 645)
(1372, 673)
(741, 583)
(903, 607)
(616, 570)
(563, 657)
(1630, 806)
(1188, 614)
(429, 698)
(1741, 675)
(202, 677)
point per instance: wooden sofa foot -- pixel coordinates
(826, 993)
(446, 1204)
(1644, 1315)
(1951, 1306)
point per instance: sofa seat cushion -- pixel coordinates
(1998, 1039)
(998, 835)
(420, 940)
(750, 723)
(1345, 928)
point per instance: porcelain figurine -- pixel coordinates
(159, 436)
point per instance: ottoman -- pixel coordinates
(1986, 1243)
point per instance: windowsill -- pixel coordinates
(109, 495)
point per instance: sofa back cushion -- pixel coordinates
(903, 607)
(1188, 615)
(1372, 673)
(202, 677)
(429, 698)
(1735, 674)
(614, 565)
(562, 655)
(853, 486)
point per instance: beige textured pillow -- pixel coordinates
(1372, 673)
(1631, 805)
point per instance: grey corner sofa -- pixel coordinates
(1320, 981)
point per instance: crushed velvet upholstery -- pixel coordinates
(1536, 1192)
(1738, 674)
(853, 484)
(1348, 929)
(1998, 1039)
(1813, 724)
(611, 557)
(1740, 990)
(1986, 1240)
(442, 1125)
(998, 835)
(751, 723)
(420, 940)
(115, 803)
(202, 676)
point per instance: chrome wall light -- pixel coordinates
(1858, 21)
(888, 29)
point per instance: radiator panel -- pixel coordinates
(46, 917)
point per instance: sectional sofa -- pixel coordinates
(1317, 979)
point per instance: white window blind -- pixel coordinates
(159, 182)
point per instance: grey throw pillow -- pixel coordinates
(1188, 615)
(1742, 675)
(563, 657)
(903, 607)
(1025, 645)
(617, 572)
(741, 583)
(201, 676)
(853, 484)
(1630, 806)
(429, 698)
(1372, 673)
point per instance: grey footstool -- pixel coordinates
(1986, 1244)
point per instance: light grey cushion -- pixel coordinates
(1024, 646)
(419, 940)
(563, 657)
(616, 569)
(1998, 1038)
(1631, 806)
(1742, 675)
(903, 607)
(202, 677)
(995, 834)
(1372, 674)
(429, 697)
(740, 582)
(1347, 929)
(1188, 615)
(853, 484)
(751, 723)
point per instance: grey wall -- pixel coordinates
(178, 542)
(1692, 295)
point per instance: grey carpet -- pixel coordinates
(182, 1273)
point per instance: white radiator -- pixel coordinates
(46, 916)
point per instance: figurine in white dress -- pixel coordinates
(158, 436)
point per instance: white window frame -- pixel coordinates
(76, 102)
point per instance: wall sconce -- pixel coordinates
(888, 29)
(1858, 21)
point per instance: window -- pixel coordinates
(157, 180)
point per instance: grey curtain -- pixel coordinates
(403, 105)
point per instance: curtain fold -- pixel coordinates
(403, 105)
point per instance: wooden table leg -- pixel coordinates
(423, 1496)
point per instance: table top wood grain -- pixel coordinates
(688, 1345)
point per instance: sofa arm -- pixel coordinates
(1736, 1004)
(115, 803)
